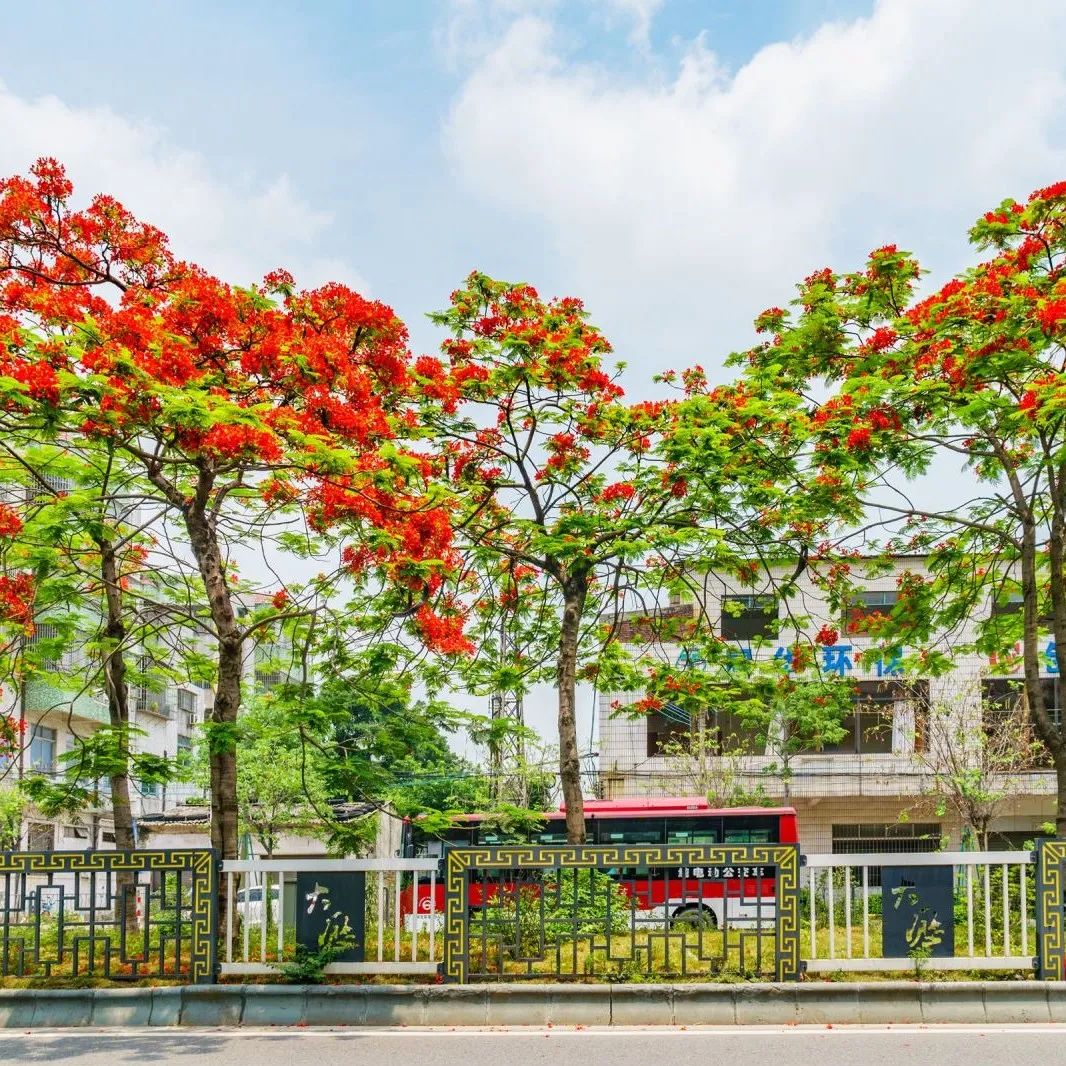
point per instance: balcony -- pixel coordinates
(42, 697)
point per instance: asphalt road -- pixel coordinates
(757, 1046)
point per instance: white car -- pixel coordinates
(249, 904)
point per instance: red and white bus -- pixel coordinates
(681, 895)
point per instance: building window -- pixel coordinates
(43, 749)
(187, 708)
(746, 617)
(183, 756)
(41, 836)
(148, 788)
(1003, 699)
(1013, 604)
(876, 707)
(865, 609)
(45, 632)
(724, 733)
(893, 837)
(729, 734)
(668, 729)
(75, 832)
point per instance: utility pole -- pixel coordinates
(507, 752)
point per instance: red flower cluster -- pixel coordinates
(12, 731)
(443, 634)
(618, 492)
(827, 636)
(10, 523)
(16, 600)
(858, 439)
(647, 705)
(1051, 314)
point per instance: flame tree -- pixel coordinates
(232, 404)
(971, 377)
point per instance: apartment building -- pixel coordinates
(880, 787)
(70, 706)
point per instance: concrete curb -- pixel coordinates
(881, 1002)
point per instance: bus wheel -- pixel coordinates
(694, 917)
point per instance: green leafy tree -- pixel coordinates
(561, 495)
(279, 790)
(970, 375)
(236, 405)
(75, 528)
(12, 806)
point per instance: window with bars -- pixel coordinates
(1003, 699)
(889, 838)
(43, 633)
(268, 670)
(745, 617)
(42, 752)
(724, 733)
(667, 730)
(876, 708)
(41, 837)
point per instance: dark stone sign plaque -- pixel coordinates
(331, 899)
(917, 912)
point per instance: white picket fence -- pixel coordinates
(254, 941)
(1000, 937)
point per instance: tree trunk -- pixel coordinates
(117, 697)
(1056, 554)
(1045, 728)
(575, 590)
(118, 709)
(221, 734)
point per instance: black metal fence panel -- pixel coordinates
(621, 912)
(1051, 909)
(113, 914)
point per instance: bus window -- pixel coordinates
(693, 831)
(494, 838)
(751, 829)
(433, 846)
(551, 834)
(748, 836)
(631, 831)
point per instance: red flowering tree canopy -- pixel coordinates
(268, 393)
(970, 376)
(558, 482)
(974, 370)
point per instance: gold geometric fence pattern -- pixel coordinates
(461, 862)
(1051, 909)
(202, 913)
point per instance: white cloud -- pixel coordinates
(238, 226)
(639, 13)
(680, 208)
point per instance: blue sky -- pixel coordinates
(349, 101)
(678, 164)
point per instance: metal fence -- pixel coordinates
(278, 908)
(984, 919)
(574, 912)
(523, 912)
(1051, 909)
(114, 914)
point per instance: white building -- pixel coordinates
(872, 791)
(166, 716)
